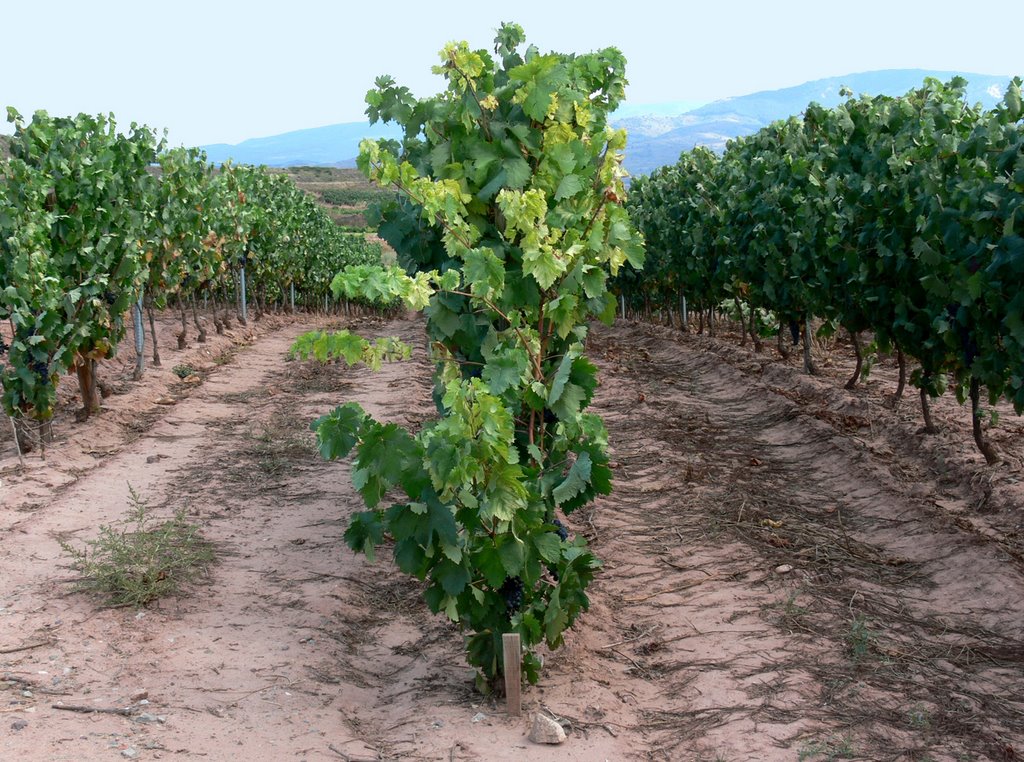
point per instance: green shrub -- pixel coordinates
(140, 559)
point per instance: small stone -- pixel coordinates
(19, 725)
(140, 695)
(27, 694)
(783, 569)
(546, 730)
(130, 753)
(479, 717)
(151, 718)
(153, 459)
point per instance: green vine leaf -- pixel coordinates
(509, 225)
(576, 481)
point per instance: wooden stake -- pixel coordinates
(513, 672)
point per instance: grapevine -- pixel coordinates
(508, 228)
(88, 231)
(899, 216)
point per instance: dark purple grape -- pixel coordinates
(512, 592)
(41, 370)
(563, 533)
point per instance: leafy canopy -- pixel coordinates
(508, 226)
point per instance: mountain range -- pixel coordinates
(658, 140)
(335, 145)
(658, 132)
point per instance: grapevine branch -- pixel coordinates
(492, 306)
(593, 217)
(484, 122)
(438, 217)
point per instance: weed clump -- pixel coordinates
(140, 559)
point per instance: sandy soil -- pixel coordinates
(792, 572)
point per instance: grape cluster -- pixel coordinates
(967, 342)
(42, 371)
(3, 346)
(512, 592)
(563, 535)
(109, 297)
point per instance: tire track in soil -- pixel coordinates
(894, 635)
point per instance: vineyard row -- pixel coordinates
(97, 226)
(898, 216)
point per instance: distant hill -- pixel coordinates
(655, 141)
(658, 133)
(336, 145)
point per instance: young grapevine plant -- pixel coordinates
(512, 186)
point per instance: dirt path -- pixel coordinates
(785, 593)
(771, 591)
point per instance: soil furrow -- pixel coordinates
(778, 583)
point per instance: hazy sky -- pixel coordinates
(217, 71)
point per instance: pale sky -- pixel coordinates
(213, 72)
